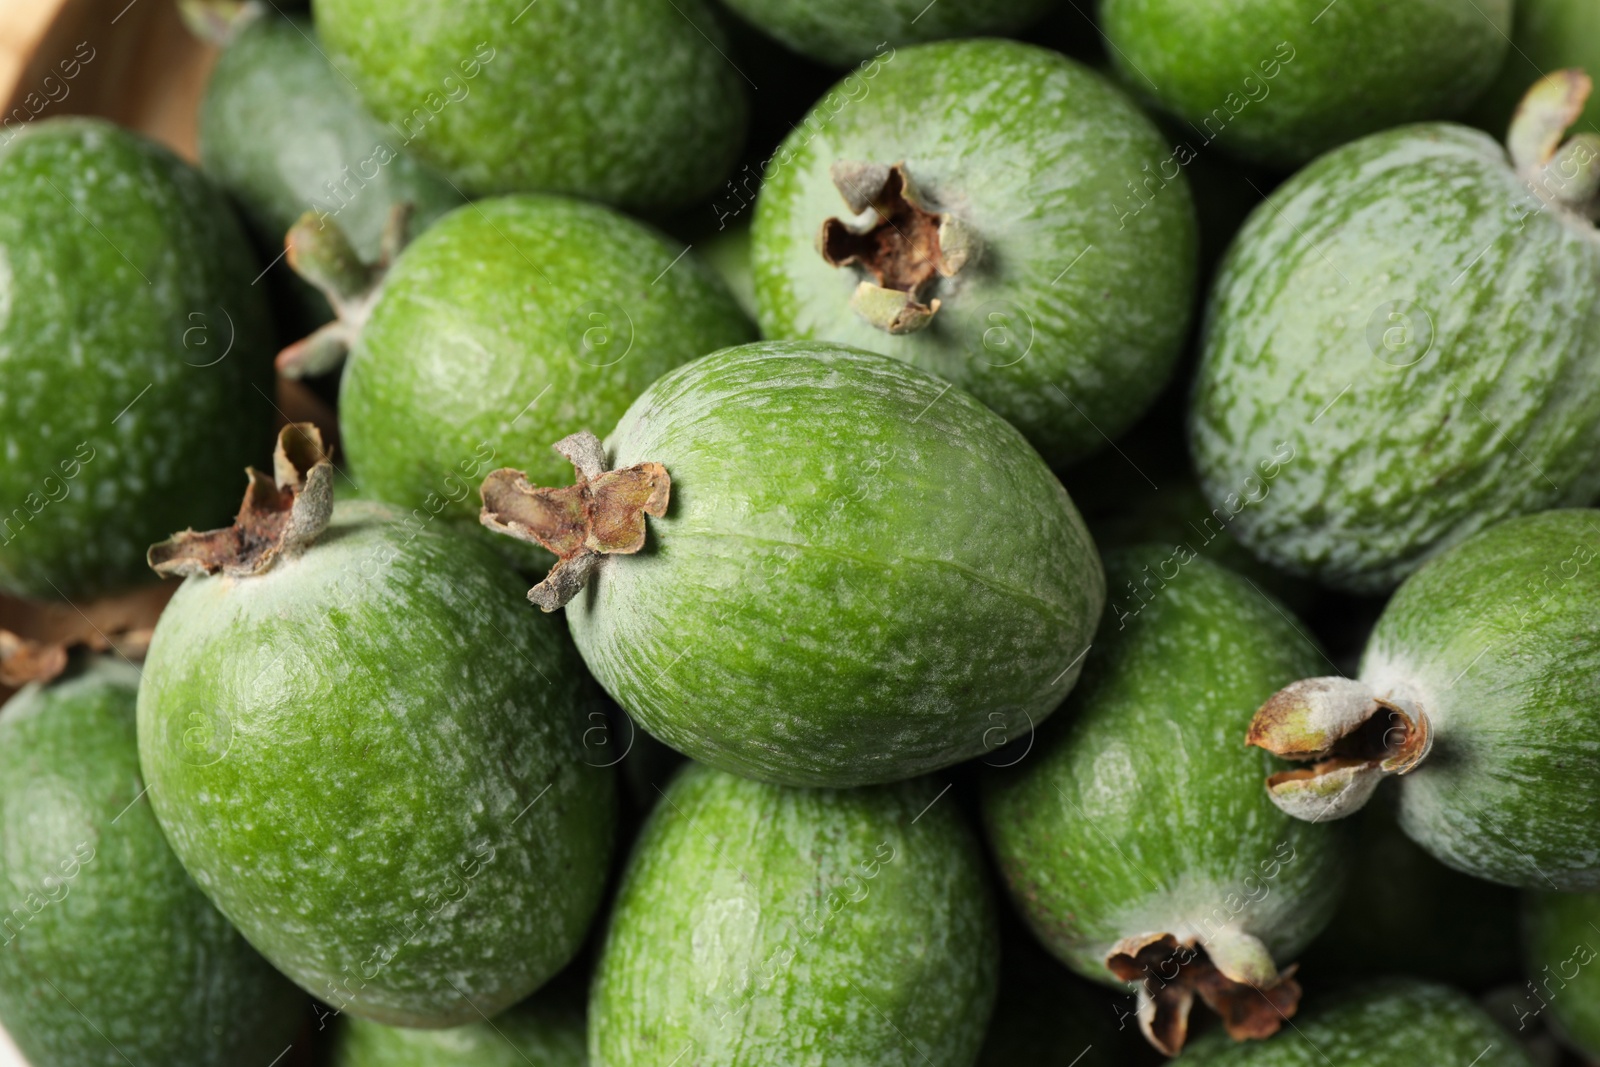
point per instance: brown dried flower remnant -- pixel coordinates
(601, 515)
(281, 516)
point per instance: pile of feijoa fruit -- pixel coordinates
(810, 533)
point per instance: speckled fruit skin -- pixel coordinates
(133, 352)
(863, 574)
(535, 1032)
(1563, 960)
(1499, 642)
(766, 926)
(370, 759)
(1143, 813)
(109, 954)
(1392, 1023)
(1546, 35)
(1073, 316)
(843, 31)
(283, 133)
(1282, 81)
(631, 102)
(510, 324)
(1406, 323)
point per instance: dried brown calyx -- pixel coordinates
(1559, 170)
(280, 516)
(36, 636)
(320, 252)
(601, 515)
(1351, 737)
(1232, 973)
(903, 244)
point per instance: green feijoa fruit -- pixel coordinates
(727, 251)
(510, 324)
(1563, 947)
(1136, 841)
(630, 102)
(133, 355)
(1281, 81)
(766, 926)
(974, 201)
(844, 31)
(1404, 912)
(541, 1032)
(285, 133)
(369, 757)
(1480, 691)
(1391, 1023)
(1546, 35)
(1404, 328)
(109, 954)
(857, 573)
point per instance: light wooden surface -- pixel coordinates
(146, 70)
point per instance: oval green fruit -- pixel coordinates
(1282, 81)
(109, 954)
(510, 324)
(844, 31)
(997, 214)
(1403, 333)
(767, 926)
(1479, 691)
(863, 573)
(540, 1032)
(284, 134)
(1562, 949)
(1394, 1023)
(1137, 842)
(631, 102)
(371, 760)
(133, 356)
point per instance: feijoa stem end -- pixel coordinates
(279, 517)
(1233, 974)
(1561, 171)
(904, 245)
(318, 250)
(601, 514)
(1350, 737)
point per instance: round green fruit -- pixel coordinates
(1137, 842)
(538, 1032)
(1282, 81)
(109, 954)
(994, 213)
(284, 134)
(1546, 35)
(1562, 949)
(372, 760)
(766, 926)
(863, 573)
(510, 324)
(631, 102)
(1480, 691)
(1393, 1023)
(844, 31)
(1403, 333)
(133, 356)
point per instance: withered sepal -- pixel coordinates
(601, 514)
(1234, 976)
(280, 516)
